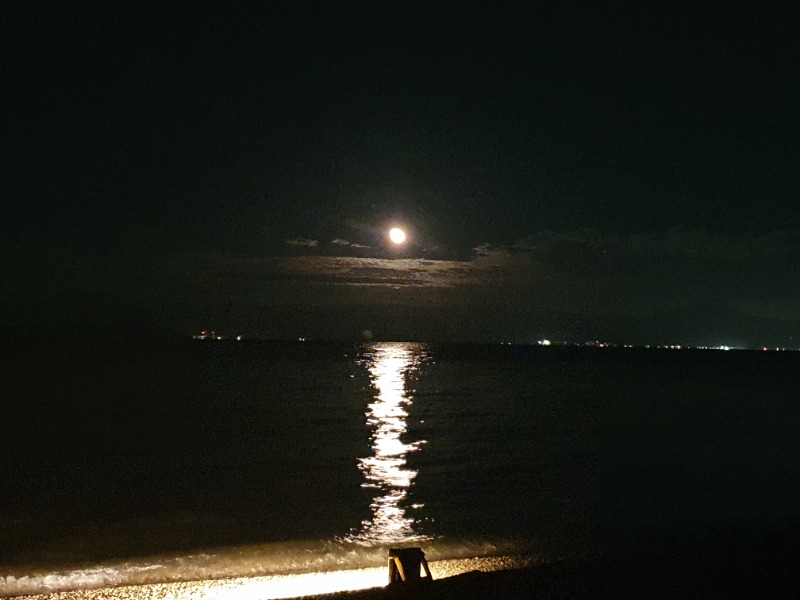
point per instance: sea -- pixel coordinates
(140, 461)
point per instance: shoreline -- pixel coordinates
(731, 565)
(546, 581)
(369, 580)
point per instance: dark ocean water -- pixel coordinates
(228, 458)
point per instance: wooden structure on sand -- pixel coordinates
(405, 565)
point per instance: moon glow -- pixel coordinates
(397, 235)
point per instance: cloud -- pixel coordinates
(304, 242)
(582, 271)
(581, 276)
(680, 242)
(340, 242)
(347, 270)
(700, 243)
(485, 249)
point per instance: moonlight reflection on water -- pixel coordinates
(386, 470)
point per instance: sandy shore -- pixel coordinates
(287, 586)
(731, 565)
(698, 575)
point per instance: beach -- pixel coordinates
(371, 580)
(720, 563)
(723, 574)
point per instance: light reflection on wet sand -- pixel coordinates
(282, 586)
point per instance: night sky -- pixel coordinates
(613, 171)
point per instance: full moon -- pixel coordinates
(397, 235)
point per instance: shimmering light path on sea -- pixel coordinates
(281, 586)
(386, 471)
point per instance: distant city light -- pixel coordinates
(207, 334)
